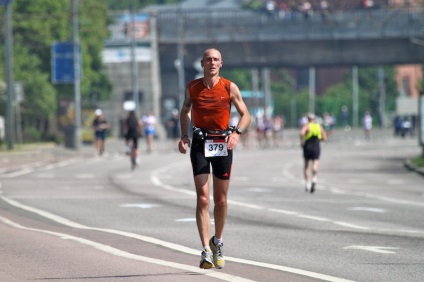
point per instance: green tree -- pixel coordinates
(36, 26)
(285, 98)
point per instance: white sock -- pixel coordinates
(308, 185)
(217, 241)
(206, 249)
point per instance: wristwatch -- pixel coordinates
(239, 130)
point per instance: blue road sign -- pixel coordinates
(5, 2)
(63, 62)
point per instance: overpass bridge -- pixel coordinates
(255, 39)
(250, 38)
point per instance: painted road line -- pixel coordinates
(117, 252)
(154, 177)
(375, 249)
(140, 206)
(169, 245)
(17, 173)
(367, 209)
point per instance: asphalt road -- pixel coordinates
(73, 216)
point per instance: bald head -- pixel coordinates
(212, 52)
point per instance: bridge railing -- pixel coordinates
(234, 25)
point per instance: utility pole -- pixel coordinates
(155, 66)
(312, 89)
(8, 51)
(355, 95)
(255, 89)
(382, 96)
(267, 91)
(180, 56)
(134, 68)
(77, 74)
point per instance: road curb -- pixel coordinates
(409, 165)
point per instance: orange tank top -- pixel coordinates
(210, 107)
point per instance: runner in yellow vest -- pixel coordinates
(310, 136)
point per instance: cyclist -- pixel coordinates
(132, 130)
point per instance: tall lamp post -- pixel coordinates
(8, 53)
(179, 63)
(134, 66)
(77, 74)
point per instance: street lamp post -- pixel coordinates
(134, 66)
(8, 53)
(179, 64)
(77, 73)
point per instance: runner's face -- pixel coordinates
(212, 62)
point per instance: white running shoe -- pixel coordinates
(206, 260)
(218, 257)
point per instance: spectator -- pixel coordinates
(277, 130)
(149, 123)
(367, 125)
(100, 126)
(173, 124)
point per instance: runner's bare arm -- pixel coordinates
(241, 107)
(185, 117)
(323, 134)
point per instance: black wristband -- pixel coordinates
(184, 136)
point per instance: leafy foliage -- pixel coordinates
(36, 26)
(291, 103)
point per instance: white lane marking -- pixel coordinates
(289, 175)
(154, 178)
(120, 253)
(354, 226)
(169, 245)
(190, 219)
(372, 196)
(17, 173)
(29, 169)
(367, 209)
(283, 211)
(375, 249)
(141, 206)
(317, 218)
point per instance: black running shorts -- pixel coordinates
(311, 150)
(221, 166)
(132, 136)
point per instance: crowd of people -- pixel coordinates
(290, 9)
(267, 131)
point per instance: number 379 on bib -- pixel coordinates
(216, 148)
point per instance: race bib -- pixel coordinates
(216, 148)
